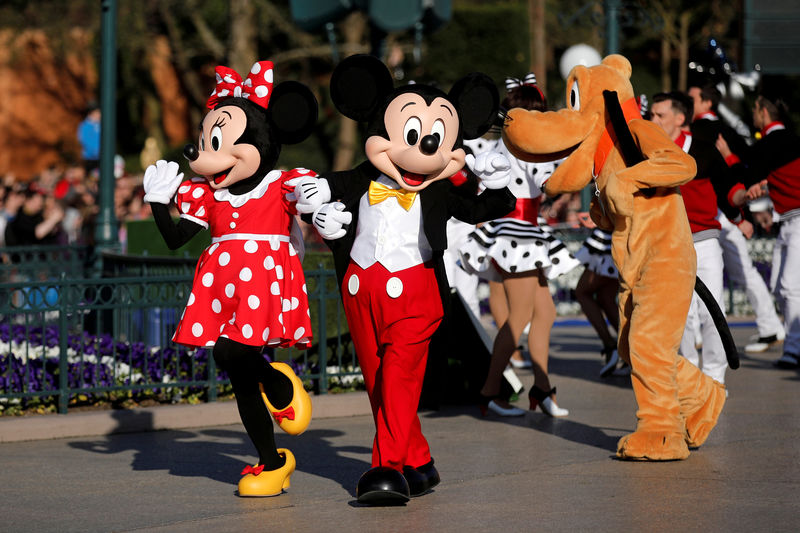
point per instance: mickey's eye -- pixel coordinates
(438, 130)
(216, 138)
(575, 97)
(411, 131)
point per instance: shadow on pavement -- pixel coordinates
(321, 457)
(221, 454)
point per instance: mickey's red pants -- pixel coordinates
(392, 317)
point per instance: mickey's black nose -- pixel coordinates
(429, 144)
(190, 152)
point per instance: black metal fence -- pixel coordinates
(67, 339)
(75, 328)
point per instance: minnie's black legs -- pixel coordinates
(246, 368)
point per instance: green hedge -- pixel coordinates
(145, 239)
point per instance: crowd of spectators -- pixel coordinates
(60, 205)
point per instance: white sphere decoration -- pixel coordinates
(578, 54)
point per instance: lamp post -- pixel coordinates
(612, 9)
(106, 236)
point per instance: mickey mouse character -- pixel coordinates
(387, 233)
(249, 290)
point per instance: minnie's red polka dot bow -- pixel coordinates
(257, 87)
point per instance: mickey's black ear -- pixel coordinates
(478, 101)
(292, 112)
(359, 86)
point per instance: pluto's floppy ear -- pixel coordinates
(359, 86)
(292, 112)
(475, 96)
(619, 63)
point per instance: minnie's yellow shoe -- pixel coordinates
(295, 417)
(260, 482)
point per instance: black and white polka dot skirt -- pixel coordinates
(595, 254)
(514, 246)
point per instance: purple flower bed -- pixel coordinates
(29, 362)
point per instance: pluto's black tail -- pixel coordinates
(731, 352)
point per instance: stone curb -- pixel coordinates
(96, 423)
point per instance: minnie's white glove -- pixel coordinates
(492, 168)
(310, 193)
(161, 181)
(330, 219)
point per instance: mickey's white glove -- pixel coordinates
(161, 181)
(310, 193)
(492, 168)
(330, 219)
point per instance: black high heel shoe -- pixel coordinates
(611, 358)
(544, 399)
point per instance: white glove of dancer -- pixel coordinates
(492, 168)
(161, 182)
(330, 219)
(310, 193)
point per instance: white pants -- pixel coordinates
(465, 283)
(712, 361)
(740, 269)
(786, 276)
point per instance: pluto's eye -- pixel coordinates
(411, 131)
(216, 138)
(575, 97)
(438, 130)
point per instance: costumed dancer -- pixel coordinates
(707, 126)
(498, 305)
(249, 290)
(515, 251)
(386, 227)
(772, 165)
(636, 170)
(596, 293)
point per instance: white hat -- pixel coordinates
(760, 205)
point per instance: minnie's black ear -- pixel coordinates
(359, 86)
(292, 112)
(478, 101)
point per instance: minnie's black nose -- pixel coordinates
(190, 152)
(429, 144)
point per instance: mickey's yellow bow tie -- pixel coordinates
(379, 193)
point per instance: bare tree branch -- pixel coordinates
(214, 45)
(295, 34)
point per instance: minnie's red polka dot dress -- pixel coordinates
(248, 285)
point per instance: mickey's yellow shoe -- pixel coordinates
(260, 482)
(295, 417)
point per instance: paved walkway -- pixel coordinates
(524, 474)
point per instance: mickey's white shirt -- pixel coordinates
(388, 234)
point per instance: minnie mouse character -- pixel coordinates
(249, 290)
(386, 229)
